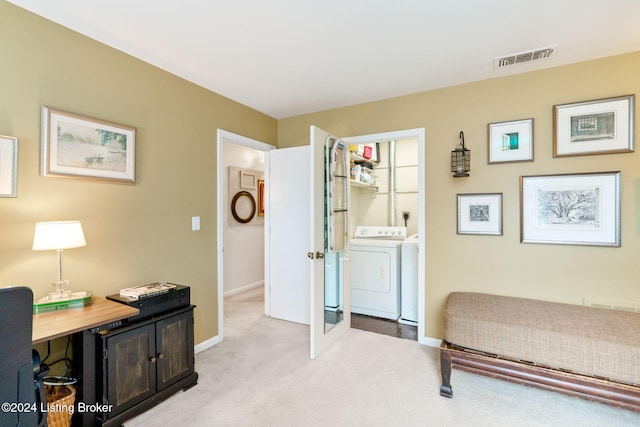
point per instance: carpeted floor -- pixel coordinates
(261, 375)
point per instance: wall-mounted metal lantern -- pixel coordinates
(461, 159)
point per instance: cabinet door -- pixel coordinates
(174, 347)
(131, 375)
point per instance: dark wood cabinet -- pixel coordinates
(144, 363)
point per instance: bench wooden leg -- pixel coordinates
(445, 372)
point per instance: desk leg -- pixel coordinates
(84, 363)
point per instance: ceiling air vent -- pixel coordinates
(612, 305)
(524, 57)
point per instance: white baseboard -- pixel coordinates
(431, 342)
(207, 344)
(428, 341)
(243, 288)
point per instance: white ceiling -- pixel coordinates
(290, 57)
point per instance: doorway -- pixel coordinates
(390, 202)
(409, 197)
(364, 139)
(248, 154)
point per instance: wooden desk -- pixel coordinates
(56, 324)
(78, 322)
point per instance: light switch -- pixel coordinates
(195, 223)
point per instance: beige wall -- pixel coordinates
(135, 234)
(141, 233)
(502, 264)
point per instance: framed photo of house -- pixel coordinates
(571, 209)
(511, 141)
(74, 146)
(8, 166)
(480, 214)
(602, 126)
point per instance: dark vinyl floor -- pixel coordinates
(384, 326)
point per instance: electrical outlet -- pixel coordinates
(405, 215)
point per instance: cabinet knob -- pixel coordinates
(152, 359)
(160, 356)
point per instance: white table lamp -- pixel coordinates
(58, 235)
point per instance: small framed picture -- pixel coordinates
(74, 146)
(248, 180)
(480, 214)
(511, 141)
(571, 209)
(8, 166)
(602, 126)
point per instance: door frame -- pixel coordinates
(417, 133)
(222, 136)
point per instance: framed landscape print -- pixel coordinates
(74, 146)
(480, 214)
(571, 209)
(511, 141)
(602, 126)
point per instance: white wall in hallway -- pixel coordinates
(243, 244)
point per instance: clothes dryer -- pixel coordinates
(375, 271)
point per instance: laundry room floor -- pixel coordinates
(384, 326)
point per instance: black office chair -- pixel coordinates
(21, 374)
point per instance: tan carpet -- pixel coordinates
(261, 375)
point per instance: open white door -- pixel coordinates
(288, 225)
(330, 275)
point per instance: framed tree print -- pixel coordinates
(571, 209)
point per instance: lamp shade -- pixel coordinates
(56, 235)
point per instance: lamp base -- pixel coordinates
(61, 290)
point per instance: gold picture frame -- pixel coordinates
(75, 146)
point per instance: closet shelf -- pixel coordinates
(362, 184)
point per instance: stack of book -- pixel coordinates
(146, 291)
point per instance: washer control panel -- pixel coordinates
(380, 232)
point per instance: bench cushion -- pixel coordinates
(589, 341)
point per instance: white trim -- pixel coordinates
(431, 342)
(403, 134)
(243, 288)
(418, 133)
(223, 135)
(207, 344)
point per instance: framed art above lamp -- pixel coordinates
(75, 146)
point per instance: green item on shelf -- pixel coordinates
(75, 300)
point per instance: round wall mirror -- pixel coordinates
(243, 207)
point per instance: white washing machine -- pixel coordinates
(375, 271)
(409, 281)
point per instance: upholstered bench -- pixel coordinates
(588, 352)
